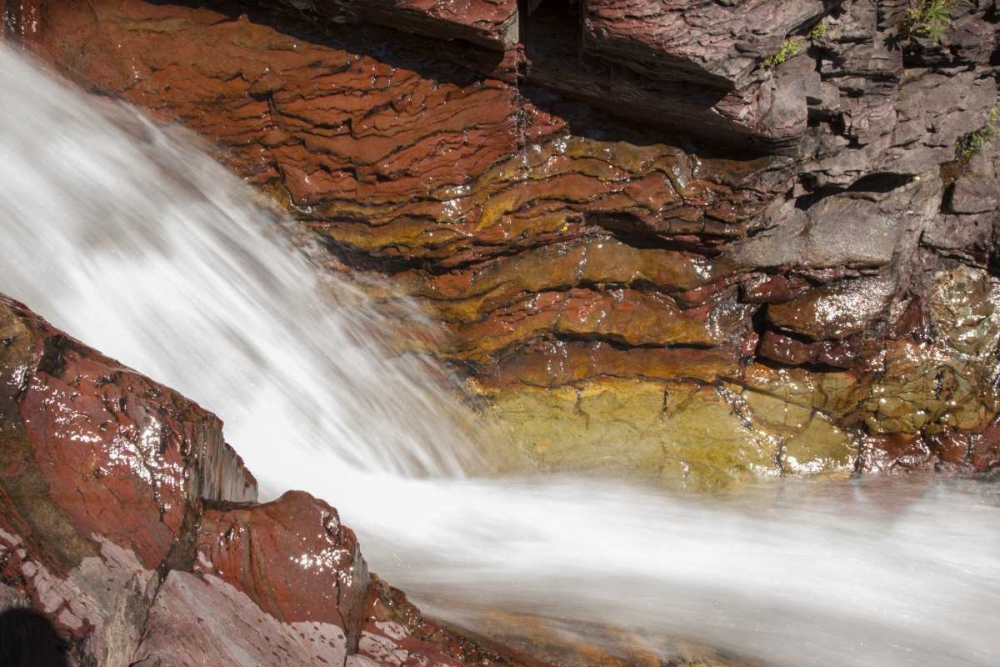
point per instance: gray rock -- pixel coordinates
(977, 188)
(202, 621)
(838, 231)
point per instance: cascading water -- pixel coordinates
(129, 237)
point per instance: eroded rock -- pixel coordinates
(565, 251)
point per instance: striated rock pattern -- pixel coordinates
(707, 42)
(697, 241)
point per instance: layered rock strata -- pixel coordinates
(696, 241)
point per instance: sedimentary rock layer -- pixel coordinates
(612, 269)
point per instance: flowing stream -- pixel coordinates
(131, 238)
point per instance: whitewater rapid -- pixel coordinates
(128, 236)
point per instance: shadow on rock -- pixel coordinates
(28, 639)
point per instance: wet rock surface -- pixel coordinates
(103, 473)
(132, 532)
(631, 217)
(701, 243)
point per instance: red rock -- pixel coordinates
(785, 349)
(985, 450)
(794, 352)
(292, 557)
(284, 583)
(659, 91)
(765, 288)
(101, 473)
(392, 152)
(838, 311)
(104, 481)
(952, 448)
(489, 23)
(20, 18)
(895, 453)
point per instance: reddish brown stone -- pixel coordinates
(839, 353)
(478, 198)
(489, 23)
(794, 352)
(952, 447)
(292, 557)
(785, 349)
(284, 583)
(913, 322)
(764, 288)
(660, 96)
(835, 312)
(985, 450)
(20, 19)
(118, 455)
(897, 452)
(101, 475)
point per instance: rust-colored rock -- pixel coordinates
(129, 525)
(102, 474)
(566, 250)
(835, 312)
(292, 557)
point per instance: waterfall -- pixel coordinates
(128, 236)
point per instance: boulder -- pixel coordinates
(103, 475)
(130, 534)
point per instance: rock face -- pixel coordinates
(101, 476)
(711, 43)
(634, 218)
(129, 525)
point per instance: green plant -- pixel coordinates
(967, 146)
(818, 31)
(789, 48)
(926, 18)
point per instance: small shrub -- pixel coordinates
(968, 145)
(926, 18)
(818, 31)
(789, 48)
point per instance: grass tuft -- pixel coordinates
(789, 48)
(973, 142)
(926, 18)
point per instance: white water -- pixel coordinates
(131, 239)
